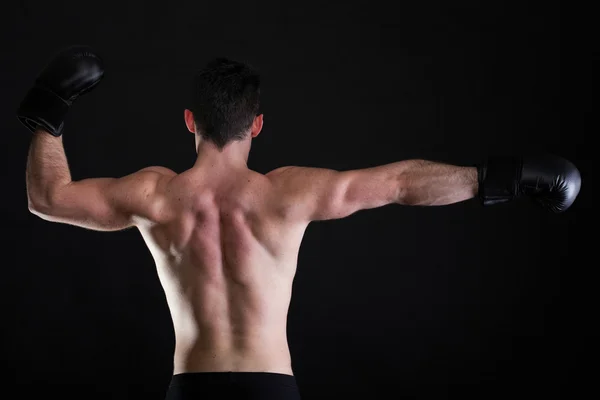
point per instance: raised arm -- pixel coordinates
(104, 204)
(98, 203)
(310, 194)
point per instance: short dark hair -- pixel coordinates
(225, 99)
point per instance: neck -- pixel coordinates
(233, 156)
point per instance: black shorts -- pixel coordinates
(233, 385)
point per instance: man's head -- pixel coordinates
(224, 103)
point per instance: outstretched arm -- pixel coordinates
(105, 204)
(309, 194)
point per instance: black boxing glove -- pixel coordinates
(70, 74)
(551, 181)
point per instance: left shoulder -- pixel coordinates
(159, 170)
(146, 180)
(147, 193)
(155, 174)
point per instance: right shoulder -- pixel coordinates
(277, 173)
(300, 192)
(284, 183)
(293, 173)
(290, 179)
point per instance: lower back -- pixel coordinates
(230, 320)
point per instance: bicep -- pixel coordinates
(103, 204)
(314, 194)
(89, 203)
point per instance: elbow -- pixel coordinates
(34, 202)
(409, 194)
(31, 206)
(402, 194)
(42, 210)
(408, 183)
(38, 207)
(41, 204)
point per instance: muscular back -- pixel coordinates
(226, 259)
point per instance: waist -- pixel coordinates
(209, 378)
(257, 355)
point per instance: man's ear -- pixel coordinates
(257, 125)
(189, 120)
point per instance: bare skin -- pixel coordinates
(225, 239)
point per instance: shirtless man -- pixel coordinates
(225, 239)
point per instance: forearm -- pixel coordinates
(47, 168)
(430, 183)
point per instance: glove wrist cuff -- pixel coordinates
(499, 179)
(42, 107)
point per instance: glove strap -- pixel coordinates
(499, 179)
(41, 107)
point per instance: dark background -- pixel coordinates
(426, 303)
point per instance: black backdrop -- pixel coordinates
(426, 303)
